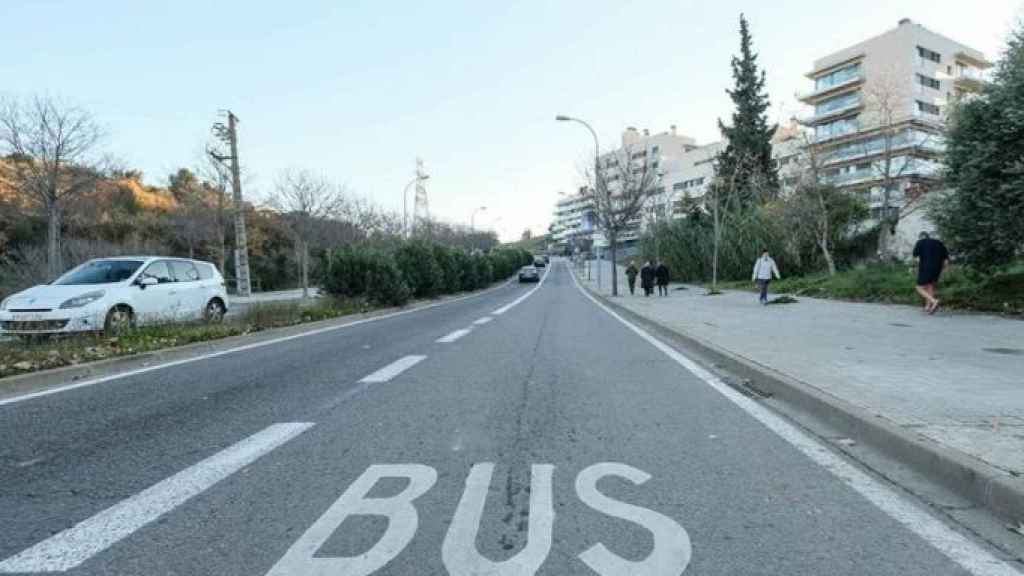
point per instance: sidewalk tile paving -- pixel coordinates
(953, 377)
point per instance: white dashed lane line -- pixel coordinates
(483, 320)
(66, 550)
(394, 369)
(453, 336)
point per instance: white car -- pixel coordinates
(113, 294)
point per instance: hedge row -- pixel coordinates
(415, 269)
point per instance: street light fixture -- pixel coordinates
(597, 176)
(405, 201)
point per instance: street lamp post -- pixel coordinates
(405, 201)
(597, 177)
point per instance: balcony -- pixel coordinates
(832, 89)
(822, 117)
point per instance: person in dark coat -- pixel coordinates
(931, 257)
(631, 273)
(661, 277)
(647, 278)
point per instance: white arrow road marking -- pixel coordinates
(483, 320)
(515, 302)
(453, 336)
(69, 548)
(969, 555)
(394, 369)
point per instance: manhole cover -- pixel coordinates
(900, 325)
(1007, 351)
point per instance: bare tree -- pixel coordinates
(725, 200)
(215, 177)
(619, 198)
(306, 200)
(52, 145)
(887, 111)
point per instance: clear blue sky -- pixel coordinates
(358, 89)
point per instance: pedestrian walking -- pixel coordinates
(647, 278)
(932, 257)
(631, 273)
(764, 269)
(661, 277)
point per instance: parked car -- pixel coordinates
(529, 274)
(114, 294)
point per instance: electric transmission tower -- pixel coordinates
(228, 134)
(421, 208)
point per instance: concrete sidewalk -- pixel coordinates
(956, 379)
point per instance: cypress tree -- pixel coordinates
(748, 153)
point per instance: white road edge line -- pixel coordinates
(69, 548)
(453, 336)
(950, 543)
(483, 320)
(143, 370)
(513, 303)
(394, 369)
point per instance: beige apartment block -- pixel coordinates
(879, 111)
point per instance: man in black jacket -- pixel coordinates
(647, 278)
(931, 257)
(661, 276)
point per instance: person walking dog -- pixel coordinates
(647, 278)
(661, 277)
(631, 273)
(764, 269)
(932, 257)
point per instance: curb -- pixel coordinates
(996, 490)
(14, 386)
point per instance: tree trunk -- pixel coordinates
(615, 275)
(827, 254)
(305, 269)
(54, 265)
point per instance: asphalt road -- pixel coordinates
(551, 439)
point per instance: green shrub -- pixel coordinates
(347, 271)
(468, 272)
(419, 268)
(484, 271)
(384, 283)
(450, 270)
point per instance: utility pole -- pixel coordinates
(229, 135)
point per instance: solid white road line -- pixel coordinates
(453, 336)
(513, 303)
(483, 320)
(271, 342)
(953, 545)
(394, 369)
(68, 549)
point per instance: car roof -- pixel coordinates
(150, 258)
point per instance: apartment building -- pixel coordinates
(574, 222)
(879, 110)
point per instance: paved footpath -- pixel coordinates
(955, 378)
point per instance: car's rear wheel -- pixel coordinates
(119, 320)
(214, 311)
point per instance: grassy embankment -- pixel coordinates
(17, 357)
(1001, 292)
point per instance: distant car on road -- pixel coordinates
(539, 262)
(529, 274)
(547, 259)
(114, 294)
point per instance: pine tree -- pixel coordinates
(747, 158)
(982, 218)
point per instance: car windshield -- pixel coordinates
(100, 272)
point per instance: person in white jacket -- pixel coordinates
(764, 269)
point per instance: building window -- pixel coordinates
(927, 54)
(927, 108)
(928, 82)
(679, 186)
